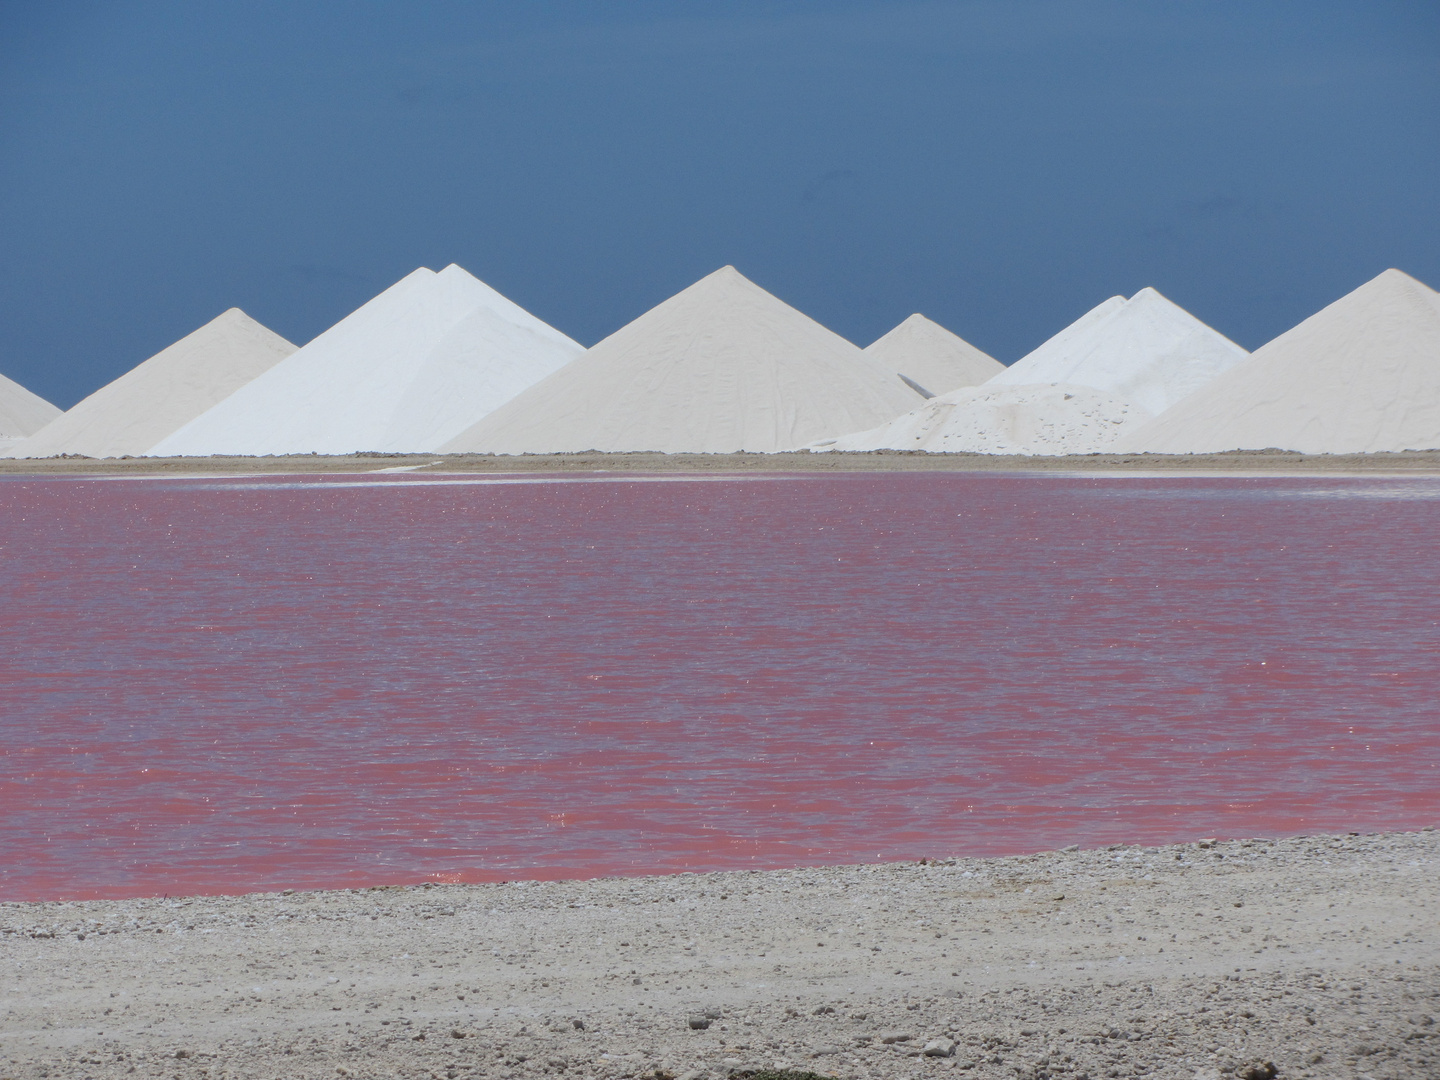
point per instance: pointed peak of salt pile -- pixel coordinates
(159, 396)
(713, 296)
(923, 352)
(721, 366)
(1059, 342)
(22, 412)
(1362, 375)
(406, 371)
(1147, 350)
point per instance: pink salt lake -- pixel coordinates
(244, 684)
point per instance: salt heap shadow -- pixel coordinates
(929, 357)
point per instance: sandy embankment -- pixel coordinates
(1318, 954)
(1241, 461)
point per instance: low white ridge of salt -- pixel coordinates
(22, 412)
(925, 353)
(154, 399)
(1050, 419)
(1146, 350)
(404, 373)
(720, 367)
(1362, 375)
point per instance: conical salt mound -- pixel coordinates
(1145, 350)
(1360, 376)
(412, 368)
(720, 367)
(21, 412)
(1044, 419)
(927, 355)
(155, 399)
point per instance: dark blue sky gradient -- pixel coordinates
(1001, 167)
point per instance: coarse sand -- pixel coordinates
(928, 355)
(156, 398)
(722, 366)
(1026, 420)
(22, 413)
(1146, 350)
(408, 370)
(1305, 957)
(1360, 376)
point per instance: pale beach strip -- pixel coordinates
(1318, 956)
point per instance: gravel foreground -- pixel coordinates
(1301, 957)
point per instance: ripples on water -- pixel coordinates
(229, 685)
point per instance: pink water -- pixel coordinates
(236, 685)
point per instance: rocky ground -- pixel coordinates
(1305, 957)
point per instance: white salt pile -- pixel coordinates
(412, 368)
(21, 412)
(155, 399)
(1110, 371)
(1146, 350)
(1046, 419)
(720, 367)
(1360, 376)
(930, 357)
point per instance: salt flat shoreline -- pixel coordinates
(1248, 461)
(1318, 955)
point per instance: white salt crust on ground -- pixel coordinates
(1319, 955)
(1360, 376)
(131, 414)
(1146, 350)
(932, 357)
(990, 419)
(22, 412)
(722, 366)
(407, 371)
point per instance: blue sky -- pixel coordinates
(999, 166)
